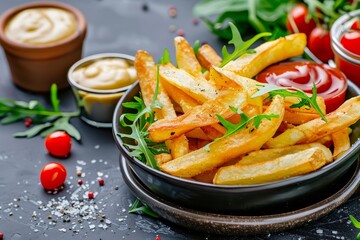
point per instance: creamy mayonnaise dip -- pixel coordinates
(105, 74)
(41, 26)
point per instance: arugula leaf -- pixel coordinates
(50, 120)
(53, 97)
(144, 209)
(32, 132)
(305, 100)
(62, 124)
(196, 47)
(245, 121)
(166, 57)
(142, 147)
(354, 221)
(240, 46)
(249, 16)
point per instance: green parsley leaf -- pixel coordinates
(240, 46)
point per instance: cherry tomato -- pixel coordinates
(52, 175)
(58, 144)
(351, 41)
(355, 25)
(300, 15)
(320, 44)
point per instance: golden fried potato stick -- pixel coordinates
(286, 166)
(181, 98)
(227, 148)
(198, 116)
(207, 56)
(198, 89)
(272, 153)
(341, 142)
(347, 114)
(186, 59)
(249, 65)
(225, 78)
(146, 72)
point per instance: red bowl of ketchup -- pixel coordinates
(331, 84)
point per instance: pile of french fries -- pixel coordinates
(195, 91)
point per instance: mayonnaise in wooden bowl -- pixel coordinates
(98, 82)
(41, 41)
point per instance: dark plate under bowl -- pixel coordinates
(260, 199)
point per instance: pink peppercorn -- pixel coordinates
(90, 195)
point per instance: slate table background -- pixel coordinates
(122, 26)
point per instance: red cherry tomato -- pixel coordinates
(300, 15)
(52, 176)
(351, 41)
(58, 144)
(320, 44)
(355, 25)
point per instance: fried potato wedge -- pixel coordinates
(293, 116)
(347, 114)
(269, 154)
(202, 115)
(225, 78)
(181, 98)
(146, 72)
(283, 167)
(186, 59)
(198, 133)
(207, 56)
(198, 89)
(341, 142)
(249, 65)
(227, 148)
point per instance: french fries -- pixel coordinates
(146, 71)
(208, 57)
(295, 142)
(199, 89)
(202, 160)
(249, 65)
(341, 142)
(347, 114)
(286, 166)
(186, 59)
(202, 115)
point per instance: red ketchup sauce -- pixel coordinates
(330, 83)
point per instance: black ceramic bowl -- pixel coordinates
(269, 198)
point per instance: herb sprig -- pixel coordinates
(246, 121)
(47, 120)
(142, 147)
(305, 100)
(356, 224)
(143, 209)
(240, 47)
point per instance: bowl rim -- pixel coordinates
(355, 148)
(94, 57)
